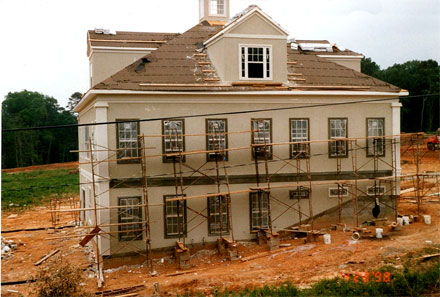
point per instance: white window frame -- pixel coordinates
(344, 191)
(304, 193)
(214, 216)
(264, 136)
(382, 190)
(304, 149)
(128, 147)
(333, 145)
(213, 138)
(217, 4)
(86, 143)
(263, 216)
(246, 63)
(171, 205)
(380, 147)
(128, 215)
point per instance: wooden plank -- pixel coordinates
(239, 83)
(128, 295)
(89, 236)
(426, 257)
(46, 257)
(182, 272)
(127, 41)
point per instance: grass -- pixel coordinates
(420, 280)
(23, 189)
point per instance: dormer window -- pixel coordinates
(256, 62)
(217, 7)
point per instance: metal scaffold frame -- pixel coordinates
(299, 163)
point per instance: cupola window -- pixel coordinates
(217, 7)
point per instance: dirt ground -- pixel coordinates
(301, 263)
(68, 165)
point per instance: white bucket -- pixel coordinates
(379, 232)
(400, 221)
(355, 236)
(427, 219)
(405, 220)
(327, 239)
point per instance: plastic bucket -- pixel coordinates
(379, 232)
(327, 239)
(427, 219)
(405, 220)
(355, 236)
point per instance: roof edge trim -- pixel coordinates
(91, 94)
(240, 20)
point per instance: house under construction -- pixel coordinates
(228, 130)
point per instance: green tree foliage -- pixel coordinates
(369, 67)
(73, 102)
(36, 147)
(419, 78)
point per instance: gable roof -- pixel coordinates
(242, 17)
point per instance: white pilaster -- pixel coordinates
(102, 185)
(395, 106)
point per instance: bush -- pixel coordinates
(60, 278)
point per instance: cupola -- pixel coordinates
(216, 11)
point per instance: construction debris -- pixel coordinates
(116, 292)
(427, 257)
(46, 257)
(8, 246)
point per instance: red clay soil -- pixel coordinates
(68, 165)
(301, 263)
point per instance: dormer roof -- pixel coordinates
(242, 17)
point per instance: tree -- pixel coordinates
(34, 147)
(420, 78)
(73, 102)
(369, 67)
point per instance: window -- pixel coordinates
(262, 134)
(375, 146)
(300, 193)
(299, 131)
(374, 191)
(259, 202)
(128, 148)
(128, 217)
(86, 142)
(216, 139)
(256, 62)
(173, 141)
(218, 205)
(217, 7)
(83, 204)
(174, 217)
(338, 191)
(338, 130)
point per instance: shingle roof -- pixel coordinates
(128, 39)
(313, 72)
(182, 64)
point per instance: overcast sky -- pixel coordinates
(43, 44)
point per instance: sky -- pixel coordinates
(44, 42)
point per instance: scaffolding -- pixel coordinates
(262, 151)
